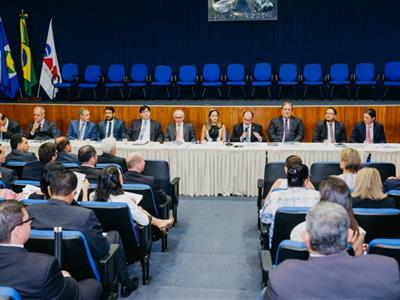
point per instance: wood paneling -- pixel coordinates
(196, 115)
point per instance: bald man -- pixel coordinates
(180, 131)
(41, 129)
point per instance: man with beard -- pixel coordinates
(112, 127)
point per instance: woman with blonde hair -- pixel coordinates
(350, 163)
(368, 190)
(213, 130)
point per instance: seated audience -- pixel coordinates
(180, 131)
(109, 155)
(19, 150)
(111, 126)
(286, 128)
(350, 163)
(8, 127)
(213, 130)
(7, 176)
(88, 158)
(58, 211)
(335, 190)
(329, 129)
(41, 129)
(247, 131)
(330, 272)
(83, 129)
(34, 275)
(33, 170)
(144, 129)
(368, 191)
(109, 188)
(64, 149)
(368, 131)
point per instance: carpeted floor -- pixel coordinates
(213, 253)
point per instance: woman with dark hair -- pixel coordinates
(213, 130)
(109, 188)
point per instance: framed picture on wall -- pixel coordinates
(242, 10)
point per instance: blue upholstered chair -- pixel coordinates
(386, 247)
(211, 78)
(339, 75)
(364, 76)
(138, 78)
(9, 293)
(91, 79)
(162, 79)
(235, 77)
(322, 169)
(187, 78)
(262, 77)
(288, 77)
(68, 80)
(391, 76)
(312, 77)
(115, 78)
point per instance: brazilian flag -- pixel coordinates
(26, 58)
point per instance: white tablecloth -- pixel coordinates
(212, 169)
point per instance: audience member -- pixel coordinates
(368, 131)
(213, 130)
(7, 176)
(247, 131)
(368, 191)
(145, 129)
(330, 272)
(41, 129)
(350, 163)
(64, 149)
(8, 127)
(111, 126)
(33, 170)
(286, 128)
(19, 150)
(329, 129)
(58, 211)
(88, 158)
(83, 129)
(34, 275)
(180, 131)
(109, 148)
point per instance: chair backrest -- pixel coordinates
(392, 71)
(321, 170)
(71, 165)
(148, 201)
(116, 73)
(378, 223)
(339, 72)
(289, 249)
(365, 72)
(159, 169)
(76, 255)
(139, 72)
(235, 72)
(286, 218)
(33, 201)
(262, 72)
(386, 247)
(312, 72)
(92, 73)
(18, 166)
(385, 169)
(19, 184)
(211, 72)
(8, 293)
(288, 72)
(163, 73)
(273, 171)
(105, 165)
(187, 73)
(69, 72)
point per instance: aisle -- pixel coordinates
(213, 253)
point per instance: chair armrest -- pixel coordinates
(145, 239)
(260, 187)
(165, 207)
(106, 259)
(266, 265)
(55, 79)
(108, 271)
(175, 185)
(377, 77)
(264, 235)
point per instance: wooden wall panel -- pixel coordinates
(230, 115)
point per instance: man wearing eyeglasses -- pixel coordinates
(34, 275)
(247, 131)
(329, 130)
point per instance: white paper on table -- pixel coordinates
(81, 177)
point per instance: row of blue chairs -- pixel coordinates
(339, 75)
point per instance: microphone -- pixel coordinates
(227, 143)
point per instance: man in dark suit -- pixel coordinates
(41, 129)
(7, 176)
(109, 148)
(33, 170)
(247, 131)
(58, 211)
(111, 126)
(330, 272)
(34, 275)
(64, 149)
(83, 129)
(179, 131)
(88, 159)
(145, 129)
(8, 127)
(330, 130)
(368, 131)
(286, 128)
(19, 150)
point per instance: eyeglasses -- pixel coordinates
(31, 219)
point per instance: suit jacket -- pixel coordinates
(296, 130)
(91, 131)
(238, 131)
(156, 134)
(92, 174)
(8, 176)
(33, 171)
(16, 155)
(359, 133)
(59, 213)
(13, 128)
(321, 132)
(119, 130)
(35, 275)
(107, 158)
(48, 131)
(334, 277)
(188, 133)
(66, 157)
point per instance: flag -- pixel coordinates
(50, 67)
(9, 84)
(26, 57)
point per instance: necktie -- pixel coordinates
(82, 131)
(179, 133)
(109, 129)
(368, 135)
(286, 131)
(143, 129)
(332, 134)
(248, 136)
(39, 127)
